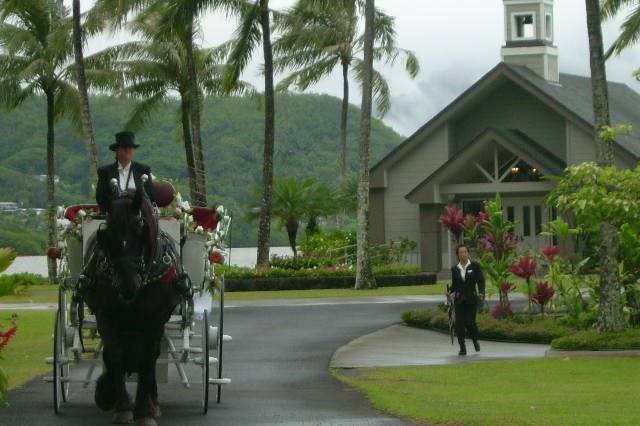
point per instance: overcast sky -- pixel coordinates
(456, 41)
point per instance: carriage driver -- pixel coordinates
(127, 172)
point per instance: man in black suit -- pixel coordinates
(467, 276)
(127, 172)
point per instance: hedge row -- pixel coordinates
(593, 340)
(315, 283)
(520, 330)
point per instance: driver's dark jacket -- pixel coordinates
(467, 289)
(110, 171)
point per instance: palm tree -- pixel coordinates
(610, 316)
(177, 18)
(152, 70)
(320, 36)
(35, 36)
(364, 269)
(255, 26)
(295, 201)
(87, 125)
(630, 29)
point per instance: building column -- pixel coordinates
(431, 237)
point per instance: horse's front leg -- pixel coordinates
(146, 408)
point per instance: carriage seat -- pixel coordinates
(71, 212)
(163, 193)
(206, 217)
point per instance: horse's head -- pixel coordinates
(126, 240)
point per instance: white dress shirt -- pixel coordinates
(123, 172)
(463, 268)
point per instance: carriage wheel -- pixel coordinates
(220, 339)
(60, 367)
(63, 332)
(205, 362)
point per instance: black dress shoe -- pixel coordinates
(463, 351)
(476, 345)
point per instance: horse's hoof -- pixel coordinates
(122, 417)
(146, 421)
(105, 395)
(157, 413)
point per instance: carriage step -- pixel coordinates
(212, 360)
(219, 381)
(226, 338)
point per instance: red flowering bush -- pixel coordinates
(525, 267)
(543, 295)
(550, 252)
(502, 310)
(453, 220)
(5, 338)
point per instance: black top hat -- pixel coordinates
(124, 140)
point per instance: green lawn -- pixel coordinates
(49, 293)
(581, 391)
(24, 358)
(34, 294)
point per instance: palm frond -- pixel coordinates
(247, 38)
(629, 32)
(67, 104)
(381, 91)
(309, 75)
(144, 110)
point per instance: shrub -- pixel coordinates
(295, 263)
(514, 329)
(593, 340)
(330, 248)
(236, 272)
(13, 283)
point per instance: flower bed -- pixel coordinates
(516, 329)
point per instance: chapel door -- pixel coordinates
(528, 216)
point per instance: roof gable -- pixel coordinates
(571, 98)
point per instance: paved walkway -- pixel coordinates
(399, 345)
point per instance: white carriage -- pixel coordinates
(201, 235)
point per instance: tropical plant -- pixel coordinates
(543, 295)
(319, 36)
(611, 314)
(630, 28)
(255, 27)
(37, 48)
(7, 256)
(364, 270)
(297, 200)
(525, 267)
(5, 338)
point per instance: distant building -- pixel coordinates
(521, 121)
(43, 178)
(8, 207)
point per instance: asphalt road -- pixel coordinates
(278, 362)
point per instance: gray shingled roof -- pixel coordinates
(574, 93)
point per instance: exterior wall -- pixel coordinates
(511, 107)
(402, 219)
(376, 218)
(580, 145)
(534, 62)
(430, 237)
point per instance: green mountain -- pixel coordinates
(307, 145)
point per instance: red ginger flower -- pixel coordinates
(544, 293)
(551, 252)
(525, 267)
(453, 220)
(482, 217)
(6, 336)
(507, 287)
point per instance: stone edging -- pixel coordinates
(555, 353)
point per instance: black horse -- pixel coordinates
(137, 283)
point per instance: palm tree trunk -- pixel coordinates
(292, 233)
(343, 135)
(51, 207)
(264, 229)
(611, 316)
(188, 145)
(194, 103)
(87, 125)
(364, 270)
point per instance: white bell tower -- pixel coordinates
(529, 35)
